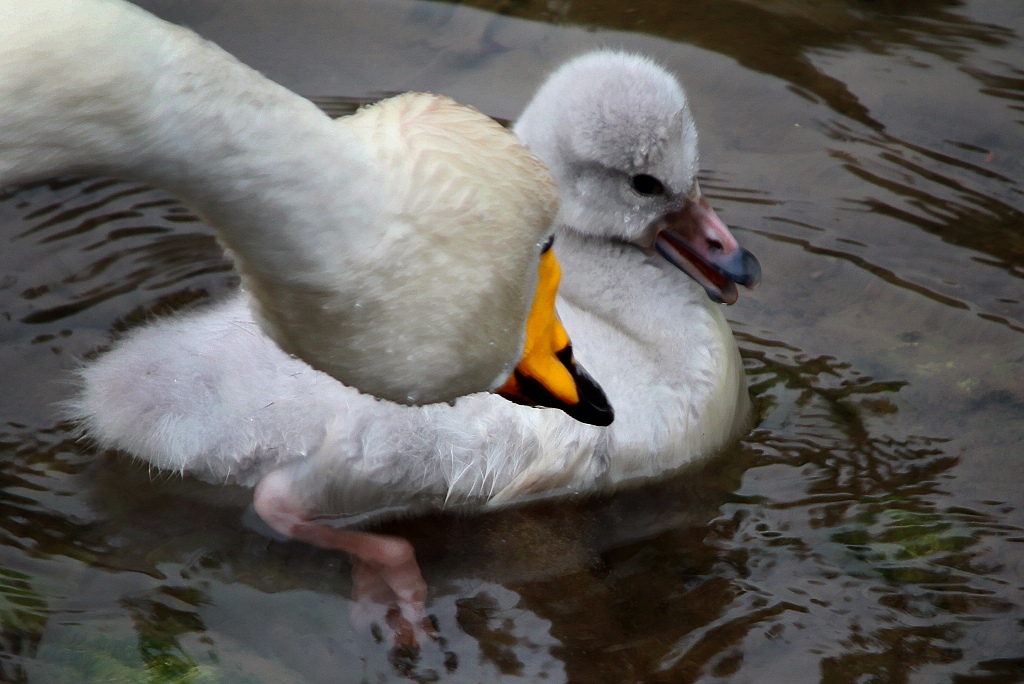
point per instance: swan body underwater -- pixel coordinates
(646, 261)
(398, 250)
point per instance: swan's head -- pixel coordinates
(439, 276)
(617, 133)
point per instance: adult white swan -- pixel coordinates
(208, 394)
(397, 249)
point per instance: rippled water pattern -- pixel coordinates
(869, 529)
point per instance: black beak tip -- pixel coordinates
(593, 407)
(742, 268)
(751, 271)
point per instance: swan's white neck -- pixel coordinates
(105, 88)
(355, 238)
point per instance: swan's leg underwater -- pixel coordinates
(384, 570)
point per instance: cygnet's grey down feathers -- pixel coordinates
(617, 115)
(207, 393)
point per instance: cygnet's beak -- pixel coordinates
(696, 241)
(547, 374)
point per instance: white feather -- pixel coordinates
(396, 249)
(207, 393)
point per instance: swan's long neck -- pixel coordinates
(103, 87)
(354, 238)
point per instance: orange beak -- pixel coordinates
(547, 374)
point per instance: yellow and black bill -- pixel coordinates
(548, 375)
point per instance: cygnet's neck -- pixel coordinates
(659, 346)
(621, 280)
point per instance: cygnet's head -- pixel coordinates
(616, 131)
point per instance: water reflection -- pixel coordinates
(870, 529)
(125, 238)
(779, 38)
(926, 197)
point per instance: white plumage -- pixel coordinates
(396, 249)
(208, 394)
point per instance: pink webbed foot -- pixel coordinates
(388, 588)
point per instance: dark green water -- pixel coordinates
(870, 529)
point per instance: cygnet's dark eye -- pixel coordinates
(547, 245)
(647, 185)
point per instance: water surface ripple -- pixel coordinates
(869, 529)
